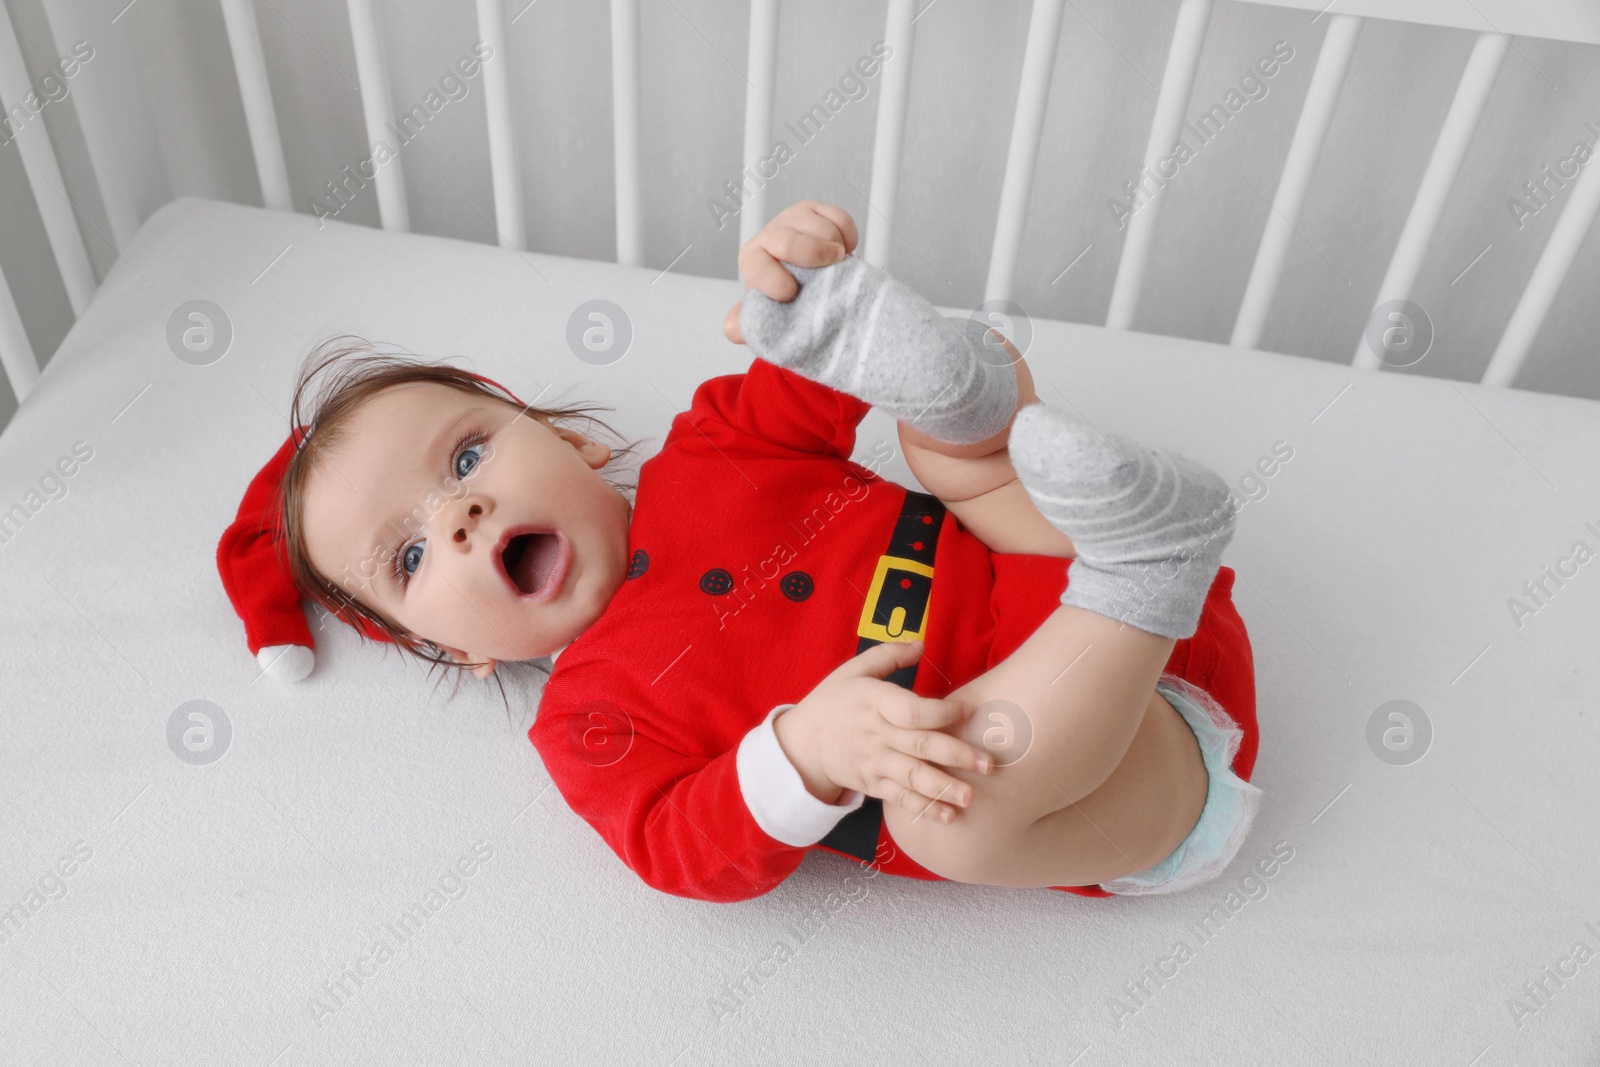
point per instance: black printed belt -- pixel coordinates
(896, 609)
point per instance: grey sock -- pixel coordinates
(856, 329)
(1149, 525)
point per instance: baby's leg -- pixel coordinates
(1096, 775)
(978, 484)
(1127, 822)
(1074, 709)
(855, 328)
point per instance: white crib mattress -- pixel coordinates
(212, 912)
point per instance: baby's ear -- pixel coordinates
(595, 453)
(482, 671)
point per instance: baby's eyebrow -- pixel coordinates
(381, 535)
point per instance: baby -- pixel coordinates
(1031, 675)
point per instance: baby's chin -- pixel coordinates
(511, 647)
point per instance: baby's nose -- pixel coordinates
(472, 514)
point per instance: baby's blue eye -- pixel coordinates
(410, 563)
(463, 473)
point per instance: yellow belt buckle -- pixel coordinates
(895, 630)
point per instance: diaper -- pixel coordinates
(1230, 807)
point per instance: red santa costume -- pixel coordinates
(762, 558)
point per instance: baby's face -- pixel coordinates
(411, 523)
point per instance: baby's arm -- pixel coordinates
(679, 822)
(734, 826)
(720, 829)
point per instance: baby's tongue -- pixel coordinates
(533, 566)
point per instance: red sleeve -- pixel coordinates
(680, 822)
(775, 405)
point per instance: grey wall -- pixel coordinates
(964, 79)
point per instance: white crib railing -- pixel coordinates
(1563, 20)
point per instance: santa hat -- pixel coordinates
(254, 566)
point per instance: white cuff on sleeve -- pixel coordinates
(776, 795)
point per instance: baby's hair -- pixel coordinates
(358, 371)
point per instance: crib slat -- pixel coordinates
(250, 68)
(1182, 59)
(763, 67)
(1338, 44)
(1454, 136)
(44, 179)
(505, 160)
(16, 352)
(625, 130)
(889, 137)
(377, 106)
(1571, 227)
(117, 131)
(1027, 125)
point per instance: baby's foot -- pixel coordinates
(856, 329)
(1149, 525)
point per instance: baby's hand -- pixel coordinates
(807, 234)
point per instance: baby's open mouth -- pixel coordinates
(534, 561)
